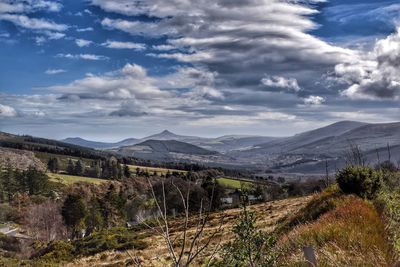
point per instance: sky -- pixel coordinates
(113, 69)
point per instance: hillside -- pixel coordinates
(99, 145)
(164, 150)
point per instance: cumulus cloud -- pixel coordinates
(28, 6)
(130, 82)
(7, 111)
(130, 108)
(375, 75)
(54, 71)
(82, 56)
(281, 82)
(313, 100)
(83, 42)
(124, 45)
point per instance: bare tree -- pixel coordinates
(184, 248)
(44, 221)
(355, 156)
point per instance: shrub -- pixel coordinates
(352, 234)
(59, 251)
(360, 180)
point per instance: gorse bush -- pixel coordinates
(360, 180)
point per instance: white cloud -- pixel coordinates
(33, 23)
(29, 6)
(313, 100)
(374, 75)
(281, 82)
(7, 111)
(82, 56)
(163, 47)
(88, 29)
(124, 45)
(83, 42)
(54, 71)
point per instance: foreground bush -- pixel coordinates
(389, 203)
(352, 234)
(360, 180)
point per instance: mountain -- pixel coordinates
(166, 150)
(308, 152)
(99, 145)
(221, 144)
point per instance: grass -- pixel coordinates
(70, 179)
(159, 171)
(62, 159)
(351, 234)
(232, 183)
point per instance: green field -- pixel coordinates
(159, 171)
(62, 159)
(70, 179)
(233, 183)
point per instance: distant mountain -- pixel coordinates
(99, 145)
(164, 150)
(221, 144)
(308, 152)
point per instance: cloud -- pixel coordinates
(124, 45)
(29, 6)
(130, 82)
(7, 111)
(33, 23)
(54, 71)
(82, 56)
(313, 100)
(83, 42)
(88, 29)
(373, 75)
(281, 82)
(239, 40)
(129, 108)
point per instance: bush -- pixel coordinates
(59, 251)
(360, 180)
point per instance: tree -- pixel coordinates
(185, 248)
(79, 168)
(53, 165)
(71, 167)
(94, 220)
(127, 172)
(74, 211)
(36, 181)
(44, 221)
(251, 247)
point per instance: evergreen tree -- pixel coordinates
(36, 181)
(74, 212)
(53, 165)
(127, 172)
(79, 168)
(70, 167)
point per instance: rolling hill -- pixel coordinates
(166, 150)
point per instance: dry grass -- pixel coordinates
(159, 171)
(157, 254)
(352, 234)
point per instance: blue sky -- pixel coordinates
(108, 69)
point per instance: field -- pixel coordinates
(62, 159)
(70, 179)
(159, 171)
(233, 183)
(156, 254)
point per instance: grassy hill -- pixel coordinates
(70, 179)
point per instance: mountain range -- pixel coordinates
(307, 152)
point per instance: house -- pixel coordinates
(232, 199)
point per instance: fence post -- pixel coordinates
(309, 254)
